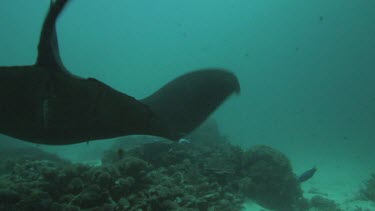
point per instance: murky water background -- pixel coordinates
(306, 67)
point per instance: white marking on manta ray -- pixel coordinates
(183, 141)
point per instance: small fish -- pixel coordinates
(307, 175)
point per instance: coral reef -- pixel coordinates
(11, 155)
(206, 174)
(269, 180)
(368, 191)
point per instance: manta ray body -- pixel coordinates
(45, 103)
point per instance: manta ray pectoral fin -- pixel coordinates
(185, 102)
(63, 113)
(48, 49)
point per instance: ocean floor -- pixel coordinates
(334, 181)
(337, 179)
(207, 174)
(346, 196)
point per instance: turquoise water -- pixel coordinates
(306, 68)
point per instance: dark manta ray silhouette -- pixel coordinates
(45, 103)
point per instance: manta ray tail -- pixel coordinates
(184, 103)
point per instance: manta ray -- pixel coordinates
(45, 103)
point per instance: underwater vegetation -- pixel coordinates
(368, 191)
(208, 173)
